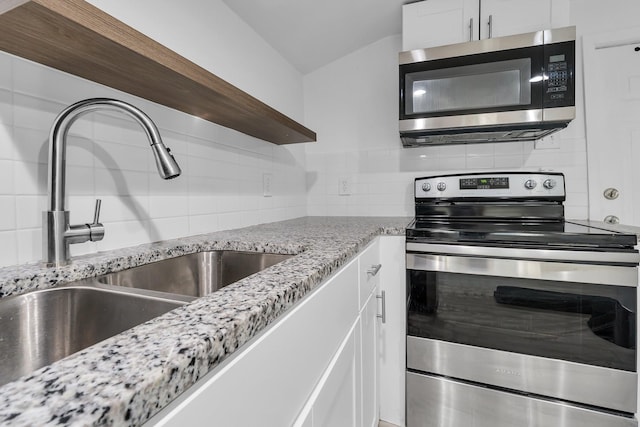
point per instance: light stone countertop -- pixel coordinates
(126, 379)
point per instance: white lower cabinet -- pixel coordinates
(392, 334)
(370, 272)
(369, 362)
(336, 401)
(354, 368)
(316, 366)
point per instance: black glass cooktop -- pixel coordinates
(557, 234)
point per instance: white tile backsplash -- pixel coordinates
(202, 204)
(6, 75)
(29, 178)
(9, 247)
(115, 156)
(30, 144)
(480, 162)
(108, 157)
(29, 211)
(6, 105)
(508, 161)
(6, 141)
(172, 228)
(125, 208)
(6, 177)
(7, 213)
(80, 180)
(29, 241)
(203, 223)
(377, 162)
(168, 206)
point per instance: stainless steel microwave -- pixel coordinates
(510, 88)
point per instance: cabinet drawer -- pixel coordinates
(438, 401)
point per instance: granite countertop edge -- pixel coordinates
(127, 378)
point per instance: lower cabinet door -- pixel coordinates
(392, 334)
(336, 402)
(369, 359)
(306, 420)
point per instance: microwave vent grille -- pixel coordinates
(418, 139)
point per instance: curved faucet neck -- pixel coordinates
(57, 232)
(58, 140)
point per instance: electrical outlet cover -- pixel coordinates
(344, 186)
(267, 185)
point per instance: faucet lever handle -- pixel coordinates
(96, 214)
(96, 230)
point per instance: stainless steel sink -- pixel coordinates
(41, 327)
(196, 274)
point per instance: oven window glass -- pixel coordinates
(583, 323)
(469, 87)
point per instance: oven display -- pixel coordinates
(483, 183)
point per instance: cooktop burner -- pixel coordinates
(519, 209)
(563, 234)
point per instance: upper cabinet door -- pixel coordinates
(432, 23)
(507, 17)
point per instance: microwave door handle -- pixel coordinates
(490, 24)
(471, 29)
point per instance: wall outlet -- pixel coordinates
(344, 186)
(267, 183)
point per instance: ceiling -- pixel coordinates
(313, 33)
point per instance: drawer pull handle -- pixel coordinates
(383, 298)
(374, 269)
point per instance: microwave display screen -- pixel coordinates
(469, 87)
(556, 58)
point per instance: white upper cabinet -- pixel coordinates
(432, 23)
(439, 22)
(507, 17)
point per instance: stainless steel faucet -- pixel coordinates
(57, 233)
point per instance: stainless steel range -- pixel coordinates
(516, 316)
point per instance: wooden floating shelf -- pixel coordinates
(79, 38)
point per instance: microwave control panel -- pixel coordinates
(559, 61)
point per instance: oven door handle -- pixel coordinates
(525, 269)
(578, 256)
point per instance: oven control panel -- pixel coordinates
(492, 185)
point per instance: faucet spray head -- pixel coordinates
(167, 166)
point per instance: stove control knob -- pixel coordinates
(426, 187)
(549, 183)
(530, 184)
(442, 186)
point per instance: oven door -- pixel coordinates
(565, 330)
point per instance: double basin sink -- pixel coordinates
(41, 327)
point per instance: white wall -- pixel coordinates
(352, 105)
(109, 157)
(211, 35)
